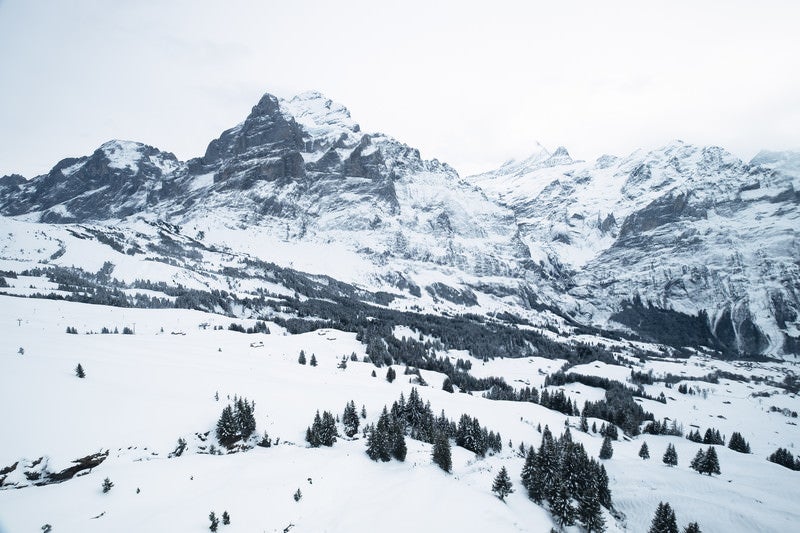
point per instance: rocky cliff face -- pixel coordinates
(683, 230)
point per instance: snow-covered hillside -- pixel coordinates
(142, 392)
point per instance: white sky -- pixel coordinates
(469, 83)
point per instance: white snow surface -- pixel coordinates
(144, 391)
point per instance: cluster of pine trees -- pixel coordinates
(664, 428)
(386, 439)
(712, 436)
(574, 485)
(738, 444)
(414, 418)
(322, 431)
(237, 422)
(706, 462)
(784, 457)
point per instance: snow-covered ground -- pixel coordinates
(144, 391)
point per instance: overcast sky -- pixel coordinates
(470, 83)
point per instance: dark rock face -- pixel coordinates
(118, 179)
(660, 212)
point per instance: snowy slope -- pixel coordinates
(144, 391)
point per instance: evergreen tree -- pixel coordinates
(313, 361)
(590, 512)
(584, 424)
(606, 450)
(710, 464)
(447, 386)
(692, 527)
(561, 507)
(441, 452)
(363, 411)
(390, 375)
(670, 456)
(214, 521)
(226, 518)
(738, 444)
(398, 440)
(350, 419)
(603, 490)
(297, 495)
(699, 459)
(302, 358)
(644, 452)
(79, 371)
(502, 484)
(107, 485)
(664, 520)
(529, 469)
(379, 441)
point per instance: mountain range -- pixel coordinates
(683, 245)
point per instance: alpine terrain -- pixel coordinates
(312, 328)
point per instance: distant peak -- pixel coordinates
(561, 152)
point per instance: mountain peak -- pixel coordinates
(320, 115)
(123, 154)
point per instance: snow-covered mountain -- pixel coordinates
(689, 229)
(593, 298)
(686, 234)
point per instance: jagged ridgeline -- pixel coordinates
(685, 246)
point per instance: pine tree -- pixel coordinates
(710, 464)
(529, 469)
(502, 484)
(226, 518)
(79, 371)
(313, 361)
(738, 444)
(664, 520)
(699, 459)
(670, 456)
(398, 440)
(606, 450)
(363, 411)
(214, 521)
(302, 358)
(379, 440)
(584, 424)
(692, 527)
(297, 495)
(390, 375)
(441, 452)
(590, 512)
(561, 507)
(107, 485)
(644, 452)
(350, 419)
(447, 386)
